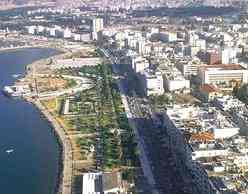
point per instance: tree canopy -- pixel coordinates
(241, 92)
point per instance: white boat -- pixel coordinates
(11, 91)
(16, 90)
(16, 75)
(9, 151)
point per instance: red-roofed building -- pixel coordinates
(209, 92)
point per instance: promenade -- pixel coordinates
(65, 186)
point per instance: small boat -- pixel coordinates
(16, 75)
(9, 151)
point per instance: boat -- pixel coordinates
(16, 75)
(9, 151)
(11, 91)
(16, 90)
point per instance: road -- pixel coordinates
(145, 163)
(165, 157)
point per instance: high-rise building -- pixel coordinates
(97, 27)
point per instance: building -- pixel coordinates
(188, 67)
(97, 27)
(41, 29)
(201, 44)
(175, 82)
(213, 58)
(153, 83)
(75, 62)
(224, 76)
(207, 151)
(197, 120)
(101, 183)
(168, 36)
(192, 37)
(83, 37)
(139, 63)
(67, 33)
(226, 103)
(209, 92)
(223, 132)
(55, 32)
(32, 29)
(174, 126)
(229, 55)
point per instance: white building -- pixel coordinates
(206, 153)
(188, 68)
(32, 29)
(85, 37)
(139, 64)
(229, 55)
(41, 29)
(55, 31)
(101, 183)
(192, 37)
(76, 62)
(211, 120)
(226, 103)
(67, 33)
(91, 183)
(152, 83)
(76, 37)
(176, 84)
(223, 133)
(174, 81)
(223, 75)
(97, 26)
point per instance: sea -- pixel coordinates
(33, 166)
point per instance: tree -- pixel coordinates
(241, 92)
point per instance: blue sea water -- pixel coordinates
(33, 166)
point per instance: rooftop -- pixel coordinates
(220, 67)
(199, 119)
(208, 88)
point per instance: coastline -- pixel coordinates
(36, 46)
(64, 182)
(65, 166)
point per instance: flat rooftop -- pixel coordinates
(198, 119)
(222, 67)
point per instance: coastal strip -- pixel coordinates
(65, 175)
(65, 178)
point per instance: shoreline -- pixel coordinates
(63, 184)
(65, 166)
(56, 188)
